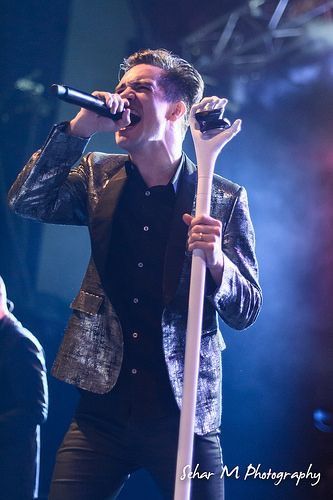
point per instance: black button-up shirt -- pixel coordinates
(140, 232)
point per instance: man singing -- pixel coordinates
(124, 344)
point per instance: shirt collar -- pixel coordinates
(174, 181)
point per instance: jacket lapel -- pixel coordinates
(176, 247)
(101, 223)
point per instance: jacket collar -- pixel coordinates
(101, 223)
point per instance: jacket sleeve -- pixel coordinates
(47, 189)
(238, 299)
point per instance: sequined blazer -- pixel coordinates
(50, 189)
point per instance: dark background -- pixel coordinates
(279, 373)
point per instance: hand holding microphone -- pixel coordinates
(100, 111)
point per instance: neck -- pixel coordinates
(157, 163)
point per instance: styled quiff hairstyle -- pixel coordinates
(180, 82)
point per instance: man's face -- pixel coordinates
(140, 86)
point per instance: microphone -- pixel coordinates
(87, 101)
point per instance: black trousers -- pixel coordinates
(96, 458)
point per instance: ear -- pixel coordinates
(177, 110)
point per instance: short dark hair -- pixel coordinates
(181, 81)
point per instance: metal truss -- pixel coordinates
(258, 33)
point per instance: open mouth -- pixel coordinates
(134, 119)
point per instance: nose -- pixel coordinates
(128, 93)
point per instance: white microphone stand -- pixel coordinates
(193, 338)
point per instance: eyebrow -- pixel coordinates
(135, 82)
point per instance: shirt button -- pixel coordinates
(140, 264)
(135, 300)
(134, 371)
(146, 228)
(147, 193)
(135, 335)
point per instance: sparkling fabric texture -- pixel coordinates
(50, 189)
